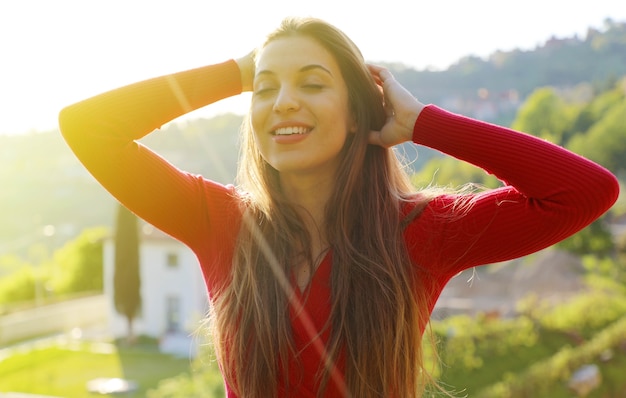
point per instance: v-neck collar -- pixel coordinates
(319, 281)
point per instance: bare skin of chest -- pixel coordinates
(304, 269)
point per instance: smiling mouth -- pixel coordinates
(291, 130)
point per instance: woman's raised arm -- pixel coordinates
(102, 131)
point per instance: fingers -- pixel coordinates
(375, 72)
(380, 74)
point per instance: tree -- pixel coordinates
(545, 114)
(18, 286)
(77, 266)
(605, 142)
(126, 279)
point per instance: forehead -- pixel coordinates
(294, 52)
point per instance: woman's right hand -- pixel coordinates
(246, 67)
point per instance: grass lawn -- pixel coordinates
(64, 369)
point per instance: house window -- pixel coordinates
(172, 315)
(172, 260)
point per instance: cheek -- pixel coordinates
(259, 111)
(347, 119)
(343, 112)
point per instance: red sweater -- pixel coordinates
(550, 193)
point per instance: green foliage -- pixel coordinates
(126, 278)
(452, 173)
(544, 377)
(608, 274)
(10, 263)
(605, 142)
(18, 286)
(583, 314)
(621, 253)
(612, 95)
(466, 342)
(530, 355)
(77, 266)
(207, 384)
(545, 114)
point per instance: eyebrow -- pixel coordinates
(305, 68)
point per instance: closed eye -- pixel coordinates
(313, 86)
(263, 91)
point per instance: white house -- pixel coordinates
(173, 293)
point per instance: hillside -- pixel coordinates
(44, 185)
(492, 88)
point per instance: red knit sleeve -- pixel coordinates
(549, 194)
(102, 131)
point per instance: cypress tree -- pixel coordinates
(126, 279)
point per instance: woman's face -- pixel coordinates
(299, 113)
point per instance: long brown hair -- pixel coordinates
(378, 310)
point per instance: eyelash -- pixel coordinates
(264, 91)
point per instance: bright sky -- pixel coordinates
(53, 53)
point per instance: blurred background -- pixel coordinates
(552, 324)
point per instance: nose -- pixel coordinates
(286, 101)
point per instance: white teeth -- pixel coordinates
(291, 130)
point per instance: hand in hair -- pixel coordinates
(402, 110)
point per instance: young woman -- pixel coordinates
(323, 264)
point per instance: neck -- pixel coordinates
(310, 194)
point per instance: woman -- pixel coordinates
(323, 264)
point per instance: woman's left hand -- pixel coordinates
(402, 110)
